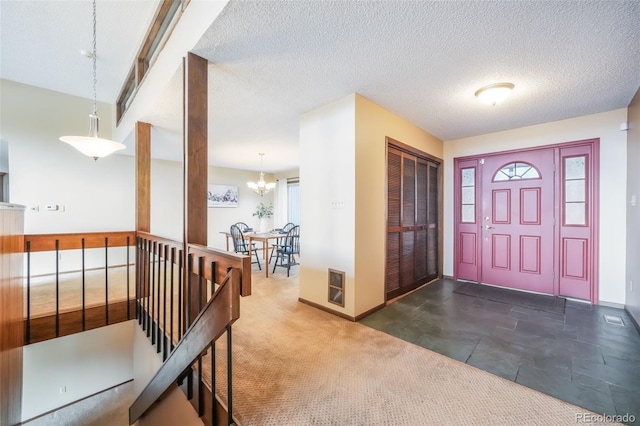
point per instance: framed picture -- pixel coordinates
(222, 196)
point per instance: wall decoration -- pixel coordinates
(222, 196)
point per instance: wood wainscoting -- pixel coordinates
(11, 313)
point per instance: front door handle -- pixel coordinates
(489, 227)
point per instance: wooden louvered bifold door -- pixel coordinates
(412, 222)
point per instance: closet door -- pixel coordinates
(412, 221)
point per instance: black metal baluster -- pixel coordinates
(143, 281)
(188, 295)
(173, 259)
(138, 279)
(152, 329)
(148, 287)
(106, 279)
(229, 377)
(200, 383)
(83, 290)
(128, 296)
(57, 288)
(157, 317)
(200, 282)
(190, 383)
(180, 291)
(200, 389)
(28, 292)
(164, 306)
(157, 331)
(214, 405)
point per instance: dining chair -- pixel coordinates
(288, 250)
(243, 227)
(240, 245)
(278, 242)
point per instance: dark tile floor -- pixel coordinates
(576, 356)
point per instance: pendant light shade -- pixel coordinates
(93, 145)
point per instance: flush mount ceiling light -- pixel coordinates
(261, 187)
(494, 93)
(93, 145)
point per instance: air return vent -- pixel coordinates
(615, 320)
(336, 287)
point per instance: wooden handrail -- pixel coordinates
(73, 241)
(223, 260)
(222, 310)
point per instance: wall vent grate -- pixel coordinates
(336, 287)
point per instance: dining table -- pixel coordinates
(263, 237)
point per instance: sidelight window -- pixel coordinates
(575, 194)
(468, 203)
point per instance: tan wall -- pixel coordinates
(613, 182)
(632, 301)
(343, 158)
(373, 125)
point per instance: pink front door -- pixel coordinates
(517, 220)
(528, 219)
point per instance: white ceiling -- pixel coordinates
(274, 60)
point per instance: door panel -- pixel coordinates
(522, 221)
(577, 211)
(517, 224)
(466, 215)
(412, 221)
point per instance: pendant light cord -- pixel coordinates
(95, 81)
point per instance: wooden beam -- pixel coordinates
(143, 177)
(195, 149)
(195, 169)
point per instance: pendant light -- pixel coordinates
(261, 187)
(93, 145)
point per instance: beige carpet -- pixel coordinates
(297, 365)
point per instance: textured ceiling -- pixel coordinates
(274, 60)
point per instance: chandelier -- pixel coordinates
(93, 145)
(261, 187)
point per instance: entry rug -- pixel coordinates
(539, 302)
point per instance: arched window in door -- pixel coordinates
(517, 170)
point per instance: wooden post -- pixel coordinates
(143, 177)
(195, 166)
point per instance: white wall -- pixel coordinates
(343, 160)
(632, 302)
(92, 195)
(613, 172)
(220, 219)
(166, 199)
(327, 174)
(96, 195)
(83, 364)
